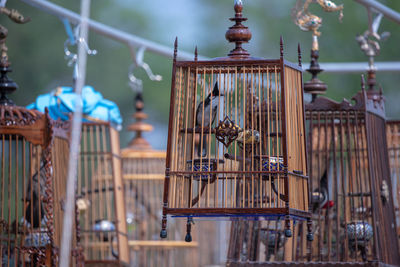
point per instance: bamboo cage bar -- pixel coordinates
(236, 143)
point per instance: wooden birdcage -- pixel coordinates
(100, 197)
(34, 160)
(247, 115)
(393, 140)
(351, 187)
(143, 174)
(351, 202)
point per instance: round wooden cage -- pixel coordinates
(100, 197)
(34, 159)
(236, 140)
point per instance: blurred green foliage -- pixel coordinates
(36, 49)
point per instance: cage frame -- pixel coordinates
(238, 61)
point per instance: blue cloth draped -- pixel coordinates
(61, 103)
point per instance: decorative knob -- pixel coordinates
(238, 33)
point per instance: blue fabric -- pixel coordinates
(61, 104)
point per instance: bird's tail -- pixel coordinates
(201, 150)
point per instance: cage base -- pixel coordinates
(238, 212)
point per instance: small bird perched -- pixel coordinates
(204, 107)
(248, 137)
(320, 195)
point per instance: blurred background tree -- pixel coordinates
(37, 57)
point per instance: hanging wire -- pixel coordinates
(68, 219)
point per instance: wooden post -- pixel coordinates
(123, 250)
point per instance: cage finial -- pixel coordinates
(281, 46)
(315, 86)
(299, 53)
(176, 48)
(371, 79)
(7, 85)
(362, 82)
(195, 54)
(139, 142)
(238, 33)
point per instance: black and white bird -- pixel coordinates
(203, 121)
(320, 195)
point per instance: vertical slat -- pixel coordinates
(123, 253)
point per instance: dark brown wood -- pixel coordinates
(225, 62)
(292, 65)
(238, 34)
(163, 233)
(199, 212)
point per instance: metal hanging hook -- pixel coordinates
(135, 83)
(139, 62)
(73, 40)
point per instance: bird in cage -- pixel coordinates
(203, 120)
(34, 211)
(248, 137)
(320, 195)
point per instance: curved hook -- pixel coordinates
(135, 83)
(138, 61)
(74, 39)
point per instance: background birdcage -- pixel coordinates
(351, 201)
(100, 197)
(34, 159)
(349, 181)
(393, 141)
(248, 116)
(143, 174)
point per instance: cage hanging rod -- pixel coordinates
(110, 32)
(132, 40)
(386, 11)
(356, 67)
